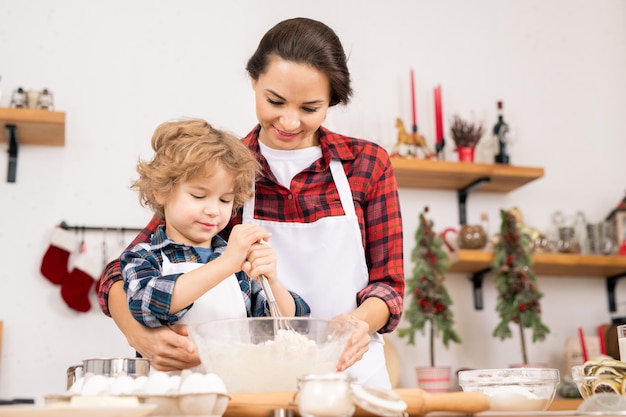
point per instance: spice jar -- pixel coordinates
(567, 241)
(325, 395)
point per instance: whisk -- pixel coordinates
(279, 322)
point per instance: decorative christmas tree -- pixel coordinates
(430, 300)
(518, 294)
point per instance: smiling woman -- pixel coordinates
(344, 254)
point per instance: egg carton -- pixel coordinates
(211, 404)
(165, 405)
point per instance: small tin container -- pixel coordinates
(133, 367)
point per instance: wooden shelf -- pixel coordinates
(464, 177)
(34, 127)
(445, 175)
(555, 264)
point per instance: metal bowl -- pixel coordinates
(133, 367)
(250, 355)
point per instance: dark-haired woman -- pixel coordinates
(330, 202)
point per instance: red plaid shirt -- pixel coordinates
(312, 196)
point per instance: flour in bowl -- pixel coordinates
(515, 398)
(274, 365)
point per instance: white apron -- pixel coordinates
(224, 301)
(324, 262)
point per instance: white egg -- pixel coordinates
(215, 383)
(96, 385)
(77, 386)
(157, 384)
(193, 384)
(174, 384)
(140, 384)
(123, 385)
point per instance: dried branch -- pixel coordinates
(465, 134)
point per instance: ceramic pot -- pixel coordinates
(434, 379)
(472, 237)
(466, 154)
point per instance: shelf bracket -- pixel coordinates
(11, 131)
(477, 279)
(611, 283)
(462, 197)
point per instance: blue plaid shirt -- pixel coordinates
(149, 292)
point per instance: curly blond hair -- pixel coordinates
(190, 148)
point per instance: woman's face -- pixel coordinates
(291, 103)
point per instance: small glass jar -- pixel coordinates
(567, 241)
(325, 395)
(336, 394)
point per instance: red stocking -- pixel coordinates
(54, 262)
(75, 288)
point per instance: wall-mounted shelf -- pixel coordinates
(612, 268)
(549, 264)
(34, 127)
(30, 127)
(445, 175)
(464, 177)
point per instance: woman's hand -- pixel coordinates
(168, 348)
(357, 345)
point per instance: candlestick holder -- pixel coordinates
(439, 147)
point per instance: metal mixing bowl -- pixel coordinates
(251, 356)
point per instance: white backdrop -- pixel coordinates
(120, 68)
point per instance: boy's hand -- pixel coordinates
(242, 238)
(261, 261)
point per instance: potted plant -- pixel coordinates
(430, 302)
(518, 293)
(466, 136)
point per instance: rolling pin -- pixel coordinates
(419, 402)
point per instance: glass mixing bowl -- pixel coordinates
(595, 377)
(250, 355)
(513, 389)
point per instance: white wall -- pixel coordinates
(119, 68)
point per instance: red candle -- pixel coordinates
(583, 345)
(438, 115)
(413, 108)
(601, 339)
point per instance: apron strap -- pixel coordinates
(343, 187)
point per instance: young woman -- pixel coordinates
(329, 201)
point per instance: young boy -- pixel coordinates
(187, 274)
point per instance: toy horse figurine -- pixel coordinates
(414, 140)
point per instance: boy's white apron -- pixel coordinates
(224, 301)
(308, 265)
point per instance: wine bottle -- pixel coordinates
(501, 132)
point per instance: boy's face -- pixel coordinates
(200, 208)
